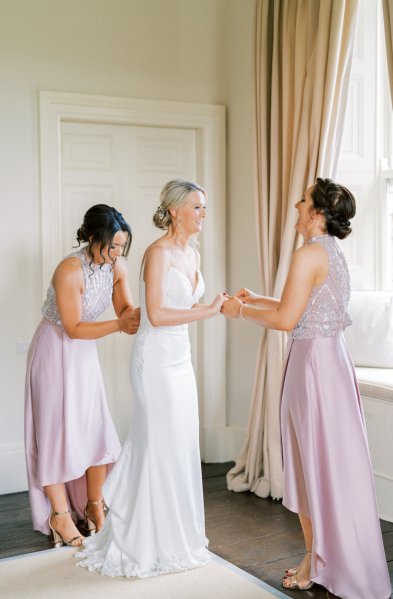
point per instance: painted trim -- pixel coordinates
(222, 443)
(12, 468)
(209, 123)
(383, 475)
(259, 583)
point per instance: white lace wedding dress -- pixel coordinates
(156, 520)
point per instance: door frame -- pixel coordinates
(208, 121)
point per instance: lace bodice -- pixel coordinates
(98, 281)
(178, 294)
(325, 314)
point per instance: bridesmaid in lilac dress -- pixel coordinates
(328, 478)
(70, 439)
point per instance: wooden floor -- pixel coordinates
(258, 535)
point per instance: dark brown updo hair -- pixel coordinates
(100, 225)
(337, 204)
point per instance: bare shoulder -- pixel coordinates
(307, 261)
(120, 269)
(68, 269)
(310, 263)
(310, 252)
(68, 276)
(157, 253)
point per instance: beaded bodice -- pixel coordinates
(97, 296)
(326, 311)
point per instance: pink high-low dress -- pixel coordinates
(68, 426)
(327, 469)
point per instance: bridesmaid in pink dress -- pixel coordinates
(70, 439)
(328, 478)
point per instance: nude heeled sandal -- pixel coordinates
(293, 585)
(90, 524)
(57, 539)
(293, 571)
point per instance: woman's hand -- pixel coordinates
(136, 318)
(218, 302)
(231, 308)
(247, 296)
(136, 314)
(130, 325)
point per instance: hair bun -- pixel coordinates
(81, 234)
(339, 227)
(162, 217)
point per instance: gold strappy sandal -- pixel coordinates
(91, 525)
(57, 539)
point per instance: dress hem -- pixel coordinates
(77, 476)
(92, 564)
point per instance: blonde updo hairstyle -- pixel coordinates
(174, 194)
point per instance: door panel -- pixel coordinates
(125, 167)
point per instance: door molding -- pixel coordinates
(209, 123)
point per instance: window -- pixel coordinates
(388, 232)
(366, 158)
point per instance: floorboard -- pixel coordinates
(258, 535)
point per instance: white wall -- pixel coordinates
(187, 50)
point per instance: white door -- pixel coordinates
(125, 167)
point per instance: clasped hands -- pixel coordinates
(231, 308)
(129, 321)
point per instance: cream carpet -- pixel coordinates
(53, 575)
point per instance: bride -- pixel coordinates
(156, 520)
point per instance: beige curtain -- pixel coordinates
(303, 55)
(388, 20)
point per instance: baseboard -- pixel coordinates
(218, 444)
(13, 478)
(222, 443)
(384, 490)
(379, 421)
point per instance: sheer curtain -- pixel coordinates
(303, 55)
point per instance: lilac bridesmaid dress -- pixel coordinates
(68, 426)
(327, 469)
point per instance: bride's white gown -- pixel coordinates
(156, 519)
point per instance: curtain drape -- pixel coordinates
(388, 21)
(303, 55)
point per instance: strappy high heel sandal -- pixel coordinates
(293, 585)
(293, 571)
(91, 525)
(57, 539)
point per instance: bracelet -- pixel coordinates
(241, 312)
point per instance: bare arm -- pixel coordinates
(203, 306)
(68, 285)
(122, 298)
(308, 268)
(156, 266)
(262, 301)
